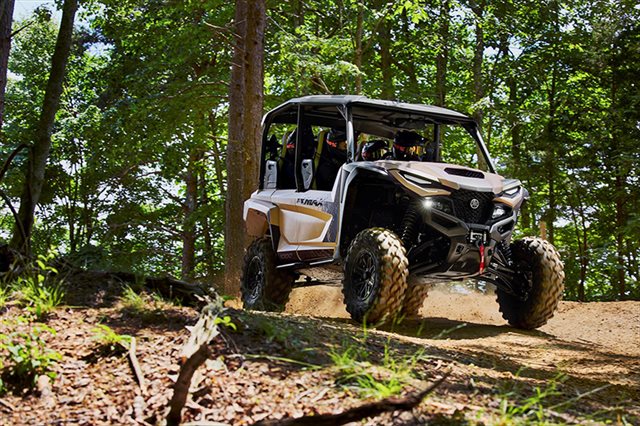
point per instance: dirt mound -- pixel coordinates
(610, 325)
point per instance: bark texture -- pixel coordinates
(39, 154)
(442, 57)
(245, 113)
(6, 18)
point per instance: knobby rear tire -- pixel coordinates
(263, 286)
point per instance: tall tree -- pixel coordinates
(442, 57)
(39, 153)
(245, 113)
(6, 18)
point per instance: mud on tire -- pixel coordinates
(540, 260)
(414, 298)
(263, 287)
(375, 276)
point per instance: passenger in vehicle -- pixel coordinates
(287, 177)
(374, 150)
(408, 146)
(332, 157)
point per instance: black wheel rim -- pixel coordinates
(364, 276)
(255, 279)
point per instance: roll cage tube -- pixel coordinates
(266, 124)
(351, 140)
(473, 130)
(438, 142)
(297, 169)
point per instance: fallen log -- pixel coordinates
(186, 293)
(171, 288)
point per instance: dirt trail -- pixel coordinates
(594, 343)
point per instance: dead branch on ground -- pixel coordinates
(135, 365)
(358, 413)
(183, 383)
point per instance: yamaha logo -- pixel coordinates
(474, 203)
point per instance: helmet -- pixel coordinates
(374, 150)
(337, 139)
(408, 146)
(307, 138)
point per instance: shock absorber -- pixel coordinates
(505, 249)
(410, 223)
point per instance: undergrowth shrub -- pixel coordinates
(25, 357)
(356, 369)
(109, 342)
(39, 288)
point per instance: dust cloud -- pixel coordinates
(453, 302)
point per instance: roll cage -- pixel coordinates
(361, 114)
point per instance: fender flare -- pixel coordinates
(261, 218)
(356, 172)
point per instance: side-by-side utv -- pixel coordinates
(413, 197)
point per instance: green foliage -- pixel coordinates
(149, 306)
(38, 288)
(109, 341)
(134, 301)
(531, 407)
(356, 369)
(145, 101)
(26, 357)
(4, 296)
(226, 321)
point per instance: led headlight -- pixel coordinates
(498, 211)
(512, 191)
(437, 204)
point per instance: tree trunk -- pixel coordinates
(245, 111)
(188, 223)
(206, 228)
(254, 86)
(357, 60)
(621, 220)
(384, 37)
(478, 83)
(215, 149)
(39, 154)
(550, 158)
(478, 58)
(6, 18)
(442, 58)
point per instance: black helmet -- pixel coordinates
(307, 141)
(337, 139)
(374, 150)
(408, 145)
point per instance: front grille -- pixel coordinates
(464, 172)
(462, 205)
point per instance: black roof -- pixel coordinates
(366, 106)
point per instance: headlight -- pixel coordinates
(498, 211)
(437, 204)
(512, 191)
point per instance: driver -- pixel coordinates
(374, 150)
(408, 146)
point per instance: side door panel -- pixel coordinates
(308, 223)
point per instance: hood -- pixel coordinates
(450, 175)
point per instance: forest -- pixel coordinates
(130, 135)
(136, 170)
